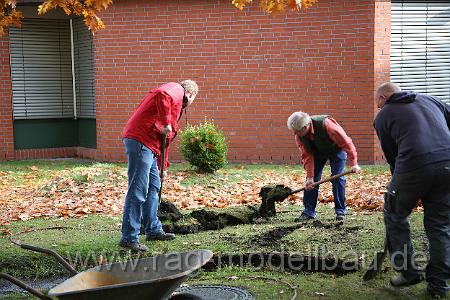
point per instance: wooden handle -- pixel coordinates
(322, 181)
(163, 154)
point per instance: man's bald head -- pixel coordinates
(385, 91)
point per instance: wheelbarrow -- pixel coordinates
(154, 277)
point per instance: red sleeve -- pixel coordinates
(164, 107)
(340, 138)
(307, 158)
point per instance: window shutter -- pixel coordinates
(84, 70)
(41, 69)
(420, 47)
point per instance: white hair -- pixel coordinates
(298, 120)
(190, 86)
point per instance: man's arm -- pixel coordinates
(447, 114)
(342, 140)
(163, 104)
(307, 158)
(387, 144)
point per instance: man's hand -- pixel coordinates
(356, 169)
(308, 182)
(164, 174)
(166, 129)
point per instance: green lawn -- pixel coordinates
(84, 240)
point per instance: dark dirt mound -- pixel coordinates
(332, 225)
(269, 195)
(210, 220)
(274, 236)
(284, 262)
(168, 211)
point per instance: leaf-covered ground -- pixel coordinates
(44, 189)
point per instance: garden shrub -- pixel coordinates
(204, 146)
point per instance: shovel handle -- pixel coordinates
(163, 158)
(323, 180)
(163, 154)
(58, 257)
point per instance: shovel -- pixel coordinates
(375, 265)
(163, 158)
(280, 192)
(373, 269)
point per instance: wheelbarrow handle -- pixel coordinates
(24, 286)
(323, 180)
(58, 257)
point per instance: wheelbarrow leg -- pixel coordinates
(24, 286)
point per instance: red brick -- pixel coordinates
(253, 72)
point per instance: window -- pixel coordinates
(420, 46)
(41, 70)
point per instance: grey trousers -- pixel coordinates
(431, 184)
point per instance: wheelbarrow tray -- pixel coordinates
(146, 278)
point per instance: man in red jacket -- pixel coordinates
(156, 116)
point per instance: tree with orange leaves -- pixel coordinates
(276, 6)
(88, 9)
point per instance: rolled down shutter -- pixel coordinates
(420, 46)
(84, 70)
(41, 70)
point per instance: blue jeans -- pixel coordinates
(337, 164)
(142, 199)
(430, 183)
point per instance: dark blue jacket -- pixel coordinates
(414, 130)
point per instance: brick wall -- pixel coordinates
(253, 70)
(6, 127)
(382, 51)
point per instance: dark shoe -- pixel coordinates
(401, 280)
(340, 218)
(303, 218)
(436, 295)
(161, 236)
(133, 246)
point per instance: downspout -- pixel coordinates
(72, 56)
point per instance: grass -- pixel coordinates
(17, 173)
(84, 241)
(232, 173)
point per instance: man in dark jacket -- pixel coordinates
(156, 117)
(320, 138)
(414, 133)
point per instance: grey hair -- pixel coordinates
(298, 120)
(388, 88)
(190, 86)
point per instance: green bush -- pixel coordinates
(204, 146)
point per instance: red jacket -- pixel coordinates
(161, 106)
